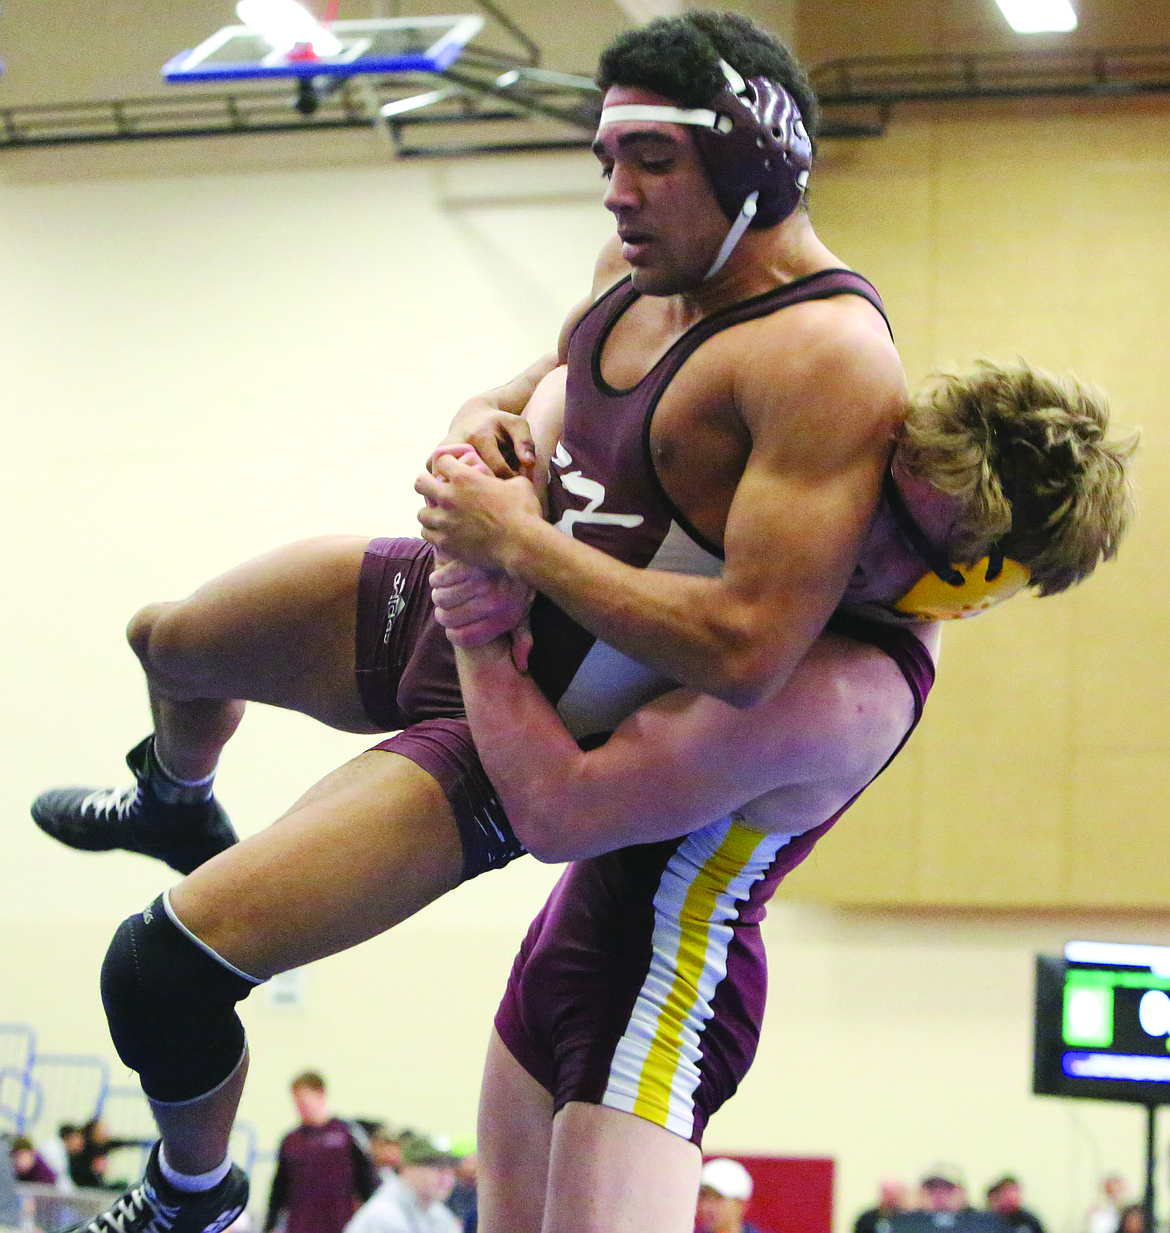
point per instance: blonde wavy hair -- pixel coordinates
(1028, 454)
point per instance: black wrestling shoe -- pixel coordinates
(135, 819)
(155, 1206)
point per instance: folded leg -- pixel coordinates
(366, 848)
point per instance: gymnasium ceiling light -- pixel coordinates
(1038, 16)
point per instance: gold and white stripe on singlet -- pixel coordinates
(655, 1069)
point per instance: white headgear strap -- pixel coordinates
(702, 117)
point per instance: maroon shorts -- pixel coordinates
(626, 994)
(405, 672)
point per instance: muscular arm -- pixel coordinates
(818, 447)
(685, 759)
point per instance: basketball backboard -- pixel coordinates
(372, 46)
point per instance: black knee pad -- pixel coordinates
(171, 1007)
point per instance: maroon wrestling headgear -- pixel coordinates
(757, 144)
(753, 146)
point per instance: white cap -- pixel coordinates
(727, 1177)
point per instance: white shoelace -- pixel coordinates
(107, 801)
(127, 1209)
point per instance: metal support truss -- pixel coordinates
(857, 95)
(551, 116)
(489, 102)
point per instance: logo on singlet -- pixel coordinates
(594, 494)
(395, 608)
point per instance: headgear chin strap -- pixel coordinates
(949, 592)
(753, 146)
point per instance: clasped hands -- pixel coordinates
(466, 517)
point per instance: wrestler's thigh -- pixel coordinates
(614, 1172)
(277, 629)
(365, 848)
(512, 1145)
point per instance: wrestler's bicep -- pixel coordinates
(790, 544)
(808, 492)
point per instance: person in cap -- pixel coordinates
(414, 1201)
(1112, 1196)
(385, 1150)
(893, 1199)
(725, 1189)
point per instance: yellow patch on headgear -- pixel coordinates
(933, 599)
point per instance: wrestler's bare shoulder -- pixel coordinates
(842, 341)
(813, 388)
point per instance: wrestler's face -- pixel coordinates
(888, 566)
(669, 222)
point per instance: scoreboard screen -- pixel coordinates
(1102, 1023)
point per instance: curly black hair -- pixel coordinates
(678, 57)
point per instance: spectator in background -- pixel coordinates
(322, 1174)
(725, 1187)
(385, 1153)
(88, 1163)
(893, 1198)
(1105, 1215)
(1131, 1219)
(73, 1141)
(10, 1205)
(55, 1152)
(1006, 1198)
(943, 1190)
(464, 1199)
(28, 1165)
(415, 1200)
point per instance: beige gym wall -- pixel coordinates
(210, 348)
